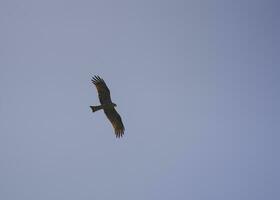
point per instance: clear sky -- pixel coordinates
(196, 84)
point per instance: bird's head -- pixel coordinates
(115, 105)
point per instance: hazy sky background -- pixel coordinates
(196, 83)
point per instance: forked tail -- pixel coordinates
(95, 108)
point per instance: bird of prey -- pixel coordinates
(107, 105)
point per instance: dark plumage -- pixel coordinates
(107, 105)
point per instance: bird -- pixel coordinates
(107, 106)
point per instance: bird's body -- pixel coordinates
(107, 105)
(104, 106)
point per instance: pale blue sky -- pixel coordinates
(196, 83)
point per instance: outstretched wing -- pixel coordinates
(116, 121)
(102, 89)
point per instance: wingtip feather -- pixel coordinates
(96, 79)
(119, 133)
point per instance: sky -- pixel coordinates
(196, 84)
